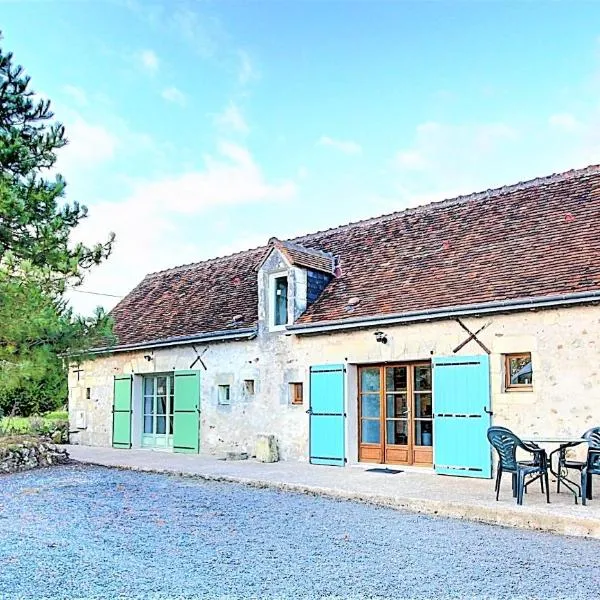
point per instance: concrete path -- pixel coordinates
(415, 490)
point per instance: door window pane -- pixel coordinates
(370, 406)
(423, 405)
(396, 379)
(370, 431)
(161, 405)
(148, 405)
(397, 432)
(148, 424)
(396, 406)
(161, 386)
(148, 386)
(423, 433)
(423, 378)
(369, 380)
(161, 425)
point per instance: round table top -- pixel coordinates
(554, 440)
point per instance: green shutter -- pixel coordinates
(186, 413)
(122, 411)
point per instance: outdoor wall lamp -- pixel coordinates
(380, 337)
(148, 357)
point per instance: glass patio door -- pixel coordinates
(158, 411)
(395, 414)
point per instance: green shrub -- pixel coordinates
(36, 426)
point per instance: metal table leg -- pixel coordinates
(562, 477)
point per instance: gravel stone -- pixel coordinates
(78, 531)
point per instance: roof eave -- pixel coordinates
(246, 333)
(503, 306)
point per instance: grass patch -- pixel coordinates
(57, 415)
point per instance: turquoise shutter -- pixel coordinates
(461, 406)
(327, 416)
(186, 412)
(121, 425)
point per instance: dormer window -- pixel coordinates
(279, 294)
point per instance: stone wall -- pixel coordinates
(565, 400)
(23, 454)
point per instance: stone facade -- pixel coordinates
(564, 345)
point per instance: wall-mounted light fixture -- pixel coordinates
(148, 357)
(380, 337)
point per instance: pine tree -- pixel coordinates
(38, 330)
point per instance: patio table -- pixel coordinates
(563, 443)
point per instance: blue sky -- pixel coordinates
(203, 128)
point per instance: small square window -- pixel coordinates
(518, 371)
(296, 393)
(224, 394)
(249, 387)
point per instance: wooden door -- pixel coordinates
(395, 414)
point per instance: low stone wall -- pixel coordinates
(22, 454)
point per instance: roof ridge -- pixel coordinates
(473, 196)
(301, 248)
(204, 261)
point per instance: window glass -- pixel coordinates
(519, 370)
(370, 406)
(423, 378)
(370, 431)
(369, 380)
(396, 379)
(148, 386)
(224, 394)
(281, 293)
(148, 424)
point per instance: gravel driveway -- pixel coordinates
(91, 532)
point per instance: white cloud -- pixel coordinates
(173, 94)
(76, 94)
(231, 178)
(564, 122)
(232, 119)
(439, 146)
(148, 61)
(412, 160)
(89, 144)
(345, 146)
(148, 222)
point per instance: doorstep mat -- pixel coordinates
(386, 471)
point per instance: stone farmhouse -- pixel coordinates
(394, 340)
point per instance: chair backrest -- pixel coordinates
(593, 437)
(593, 461)
(506, 443)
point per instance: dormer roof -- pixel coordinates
(297, 255)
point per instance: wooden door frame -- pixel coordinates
(410, 392)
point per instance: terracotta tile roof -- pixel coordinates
(537, 238)
(193, 299)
